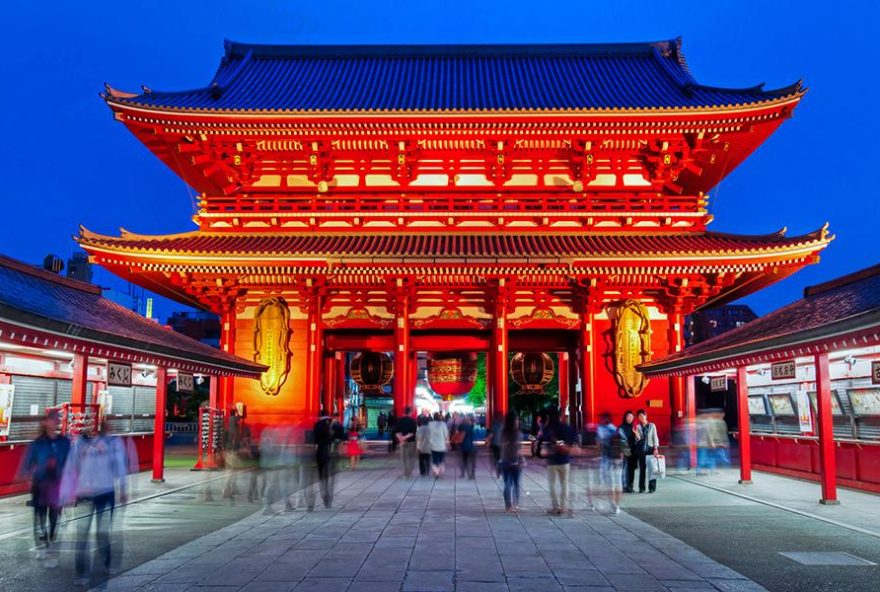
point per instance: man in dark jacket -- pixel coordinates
(405, 434)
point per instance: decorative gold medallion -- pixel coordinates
(271, 336)
(632, 346)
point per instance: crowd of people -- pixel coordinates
(87, 477)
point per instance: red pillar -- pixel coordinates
(159, 425)
(490, 382)
(691, 422)
(401, 353)
(675, 338)
(500, 365)
(329, 390)
(412, 377)
(340, 383)
(827, 461)
(227, 343)
(588, 370)
(80, 379)
(745, 439)
(314, 374)
(563, 382)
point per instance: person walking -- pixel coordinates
(44, 463)
(650, 447)
(324, 443)
(381, 422)
(423, 444)
(466, 446)
(494, 439)
(560, 437)
(510, 460)
(405, 433)
(353, 444)
(610, 442)
(628, 444)
(438, 437)
(95, 476)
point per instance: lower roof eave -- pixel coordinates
(61, 331)
(819, 339)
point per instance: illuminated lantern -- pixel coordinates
(452, 374)
(532, 372)
(371, 371)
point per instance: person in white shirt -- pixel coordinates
(438, 437)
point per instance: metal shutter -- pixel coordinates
(29, 391)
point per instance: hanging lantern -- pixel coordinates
(532, 372)
(452, 374)
(371, 371)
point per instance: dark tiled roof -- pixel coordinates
(850, 303)
(452, 78)
(43, 301)
(451, 245)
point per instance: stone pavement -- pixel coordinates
(385, 533)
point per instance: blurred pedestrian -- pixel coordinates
(611, 449)
(560, 437)
(405, 433)
(423, 444)
(44, 462)
(494, 439)
(466, 446)
(353, 444)
(630, 450)
(95, 479)
(647, 432)
(324, 468)
(381, 422)
(510, 460)
(438, 436)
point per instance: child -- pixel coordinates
(354, 444)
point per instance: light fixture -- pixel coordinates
(146, 373)
(706, 379)
(763, 371)
(850, 361)
(200, 379)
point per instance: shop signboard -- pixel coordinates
(6, 394)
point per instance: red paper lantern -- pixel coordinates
(452, 374)
(532, 372)
(371, 371)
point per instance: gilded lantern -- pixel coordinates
(532, 372)
(371, 371)
(452, 374)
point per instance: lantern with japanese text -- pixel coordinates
(452, 374)
(371, 371)
(532, 372)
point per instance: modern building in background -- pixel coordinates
(79, 267)
(199, 325)
(707, 323)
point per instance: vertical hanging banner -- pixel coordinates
(6, 394)
(803, 409)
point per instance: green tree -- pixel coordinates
(477, 395)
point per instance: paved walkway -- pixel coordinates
(385, 533)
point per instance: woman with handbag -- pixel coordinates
(650, 447)
(511, 461)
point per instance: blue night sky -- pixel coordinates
(65, 161)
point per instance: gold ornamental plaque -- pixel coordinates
(632, 346)
(271, 337)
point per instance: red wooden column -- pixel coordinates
(690, 391)
(159, 425)
(490, 382)
(340, 384)
(588, 370)
(80, 379)
(329, 391)
(227, 344)
(315, 354)
(563, 382)
(827, 460)
(675, 340)
(401, 351)
(411, 379)
(745, 436)
(500, 363)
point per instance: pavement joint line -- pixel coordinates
(804, 513)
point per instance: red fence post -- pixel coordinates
(691, 419)
(827, 461)
(159, 425)
(745, 440)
